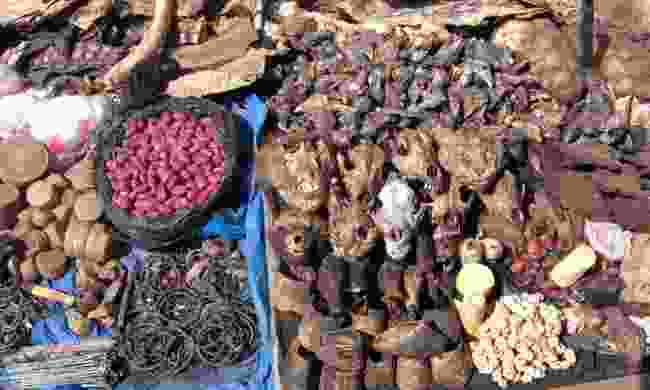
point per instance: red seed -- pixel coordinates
(213, 187)
(535, 248)
(166, 117)
(162, 196)
(132, 125)
(179, 190)
(203, 196)
(201, 182)
(111, 165)
(213, 179)
(185, 175)
(201, 159)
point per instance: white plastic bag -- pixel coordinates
(62, 123)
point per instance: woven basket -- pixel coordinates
(164, 231)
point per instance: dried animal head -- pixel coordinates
(398, 217)
(298, 177)
(288, 232)
(469, 157)
(352, 231)
(416, 153)
(364, 165)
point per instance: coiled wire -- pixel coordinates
(13, 328)
(200, 319)
(149, 288)
(154, 345)
(225, 337)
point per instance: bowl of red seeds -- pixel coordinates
(160, 170)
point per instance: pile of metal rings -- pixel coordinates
(181, 319)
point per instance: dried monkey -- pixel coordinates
(300, 177)
(417, 158)
(361, 170)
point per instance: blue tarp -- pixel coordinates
(245, 224)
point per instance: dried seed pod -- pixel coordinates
(87, 164)
(62, 213)
(26, 215)
(98, 244)
(22, 228)
(69, 196)
(57, 181)
(55, 231)
(36, 242)
(51, 264)
(87, 207)
(27, 269)
(75, 238)
(22, 163)
(42, 194)
(81, 176)
(42, 217)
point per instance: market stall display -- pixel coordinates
(451, 207)
(467, 181)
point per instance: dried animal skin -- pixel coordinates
(468, 158)
(298, 176)
(365, 164)
(632, 80)
(550, 52)
(449, 368)
(164, 11)
(294, 222)
(583, 318)
(636, 268)
(417, 152)
(352, 231)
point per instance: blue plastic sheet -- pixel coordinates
(53, 330)
(245, 224)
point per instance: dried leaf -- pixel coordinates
(220, 49)
(185, 8)
(240, 72)
(193, 30)
(20, 8)
(90, 11)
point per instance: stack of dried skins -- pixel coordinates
(398, 159)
